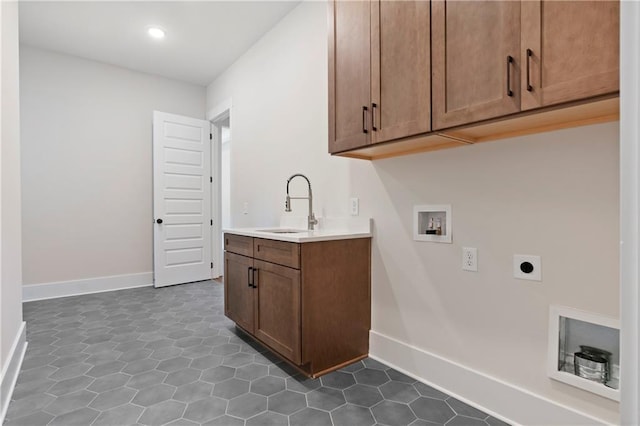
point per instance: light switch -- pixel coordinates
(354, 206)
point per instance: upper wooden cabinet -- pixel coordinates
(570, 49)
(413, 76)
(476, 46)
(379, 72)
(495, 58)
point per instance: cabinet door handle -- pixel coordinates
(509, 62)
(364, 119)
(373, 116)
(249, 276)
(253, 277)
(529, 55)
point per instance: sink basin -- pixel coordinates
(282, 231)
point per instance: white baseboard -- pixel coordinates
(11, 369)
(496, 397)
(53, 290)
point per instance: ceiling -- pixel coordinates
(202, 38)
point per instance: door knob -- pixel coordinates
(159, 221)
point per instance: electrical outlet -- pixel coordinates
(245, 208)
(354, 206)
(470, 259)
(526, 267)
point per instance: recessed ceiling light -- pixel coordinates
(156, 32)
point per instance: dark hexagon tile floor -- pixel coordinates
(169, 356)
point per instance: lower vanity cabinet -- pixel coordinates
(308, 302)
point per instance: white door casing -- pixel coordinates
(181, 199)
(216, 210)
(629, 213)
(220, 112)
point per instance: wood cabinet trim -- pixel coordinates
(344, 290)
(331, 25)
(580, 113)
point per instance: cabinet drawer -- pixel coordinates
(280, 252)
(238, 244)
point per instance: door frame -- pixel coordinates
(214, 115)
(629, 211)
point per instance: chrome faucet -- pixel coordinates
(287, 205)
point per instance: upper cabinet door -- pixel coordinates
(349, 74)
(400, 69)
(573, 50)
(476, 69)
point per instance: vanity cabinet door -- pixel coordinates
(278, 309)
(570, 50)
(239, 295)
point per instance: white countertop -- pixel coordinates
(327, 229)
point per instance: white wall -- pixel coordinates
(12, 330)
(278, 122)
(87, 166)
(10, 258)
(553, 195)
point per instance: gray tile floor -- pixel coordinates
(169, 356)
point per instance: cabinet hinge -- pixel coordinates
(210, 136)
(211, 265)
(211, 222)
(210, 179)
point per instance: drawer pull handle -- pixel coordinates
(364, 119)
(509, 62)
(529, 55)
(373, 116)
(249, 276)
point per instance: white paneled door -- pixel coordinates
(181, 199)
